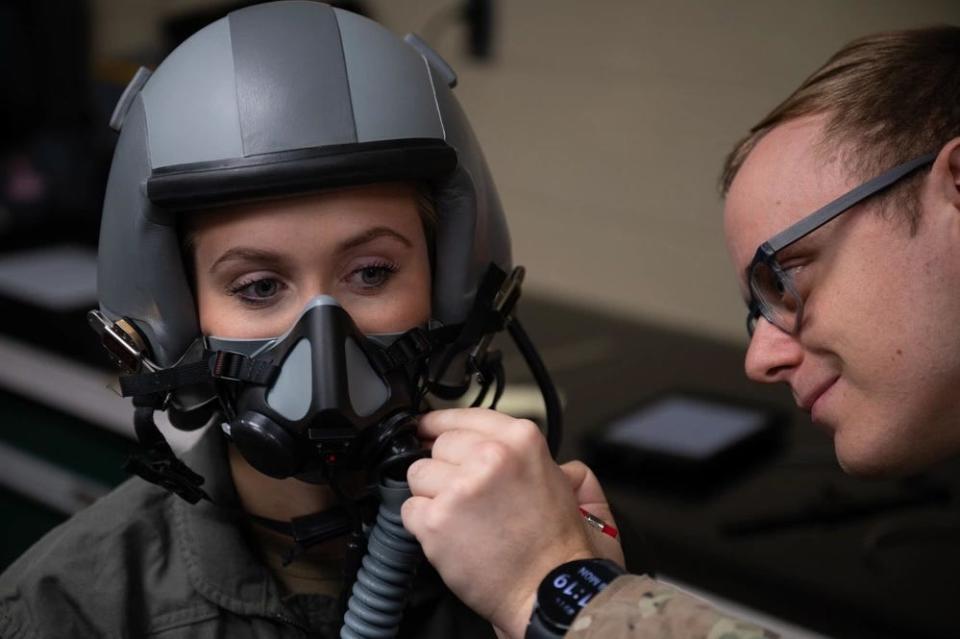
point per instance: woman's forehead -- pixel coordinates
(319, 218)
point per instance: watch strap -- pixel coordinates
(540, 628)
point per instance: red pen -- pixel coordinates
(599, 524)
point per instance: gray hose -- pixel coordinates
(386, 573)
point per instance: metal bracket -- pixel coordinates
(123, 343)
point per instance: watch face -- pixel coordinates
(570, 587)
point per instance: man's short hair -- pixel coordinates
(888, 97)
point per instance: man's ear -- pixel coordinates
(945, 173)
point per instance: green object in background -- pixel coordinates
(67, 441)
(69, 445)
(25, 522)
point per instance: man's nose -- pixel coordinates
(772, 354)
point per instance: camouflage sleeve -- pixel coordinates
(638, 607)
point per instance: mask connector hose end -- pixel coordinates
(396, 446)
(386, 573)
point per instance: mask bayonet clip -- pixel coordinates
(501, 312)
(124, 345)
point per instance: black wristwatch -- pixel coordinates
(564, 592)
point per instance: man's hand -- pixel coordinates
(495, 514)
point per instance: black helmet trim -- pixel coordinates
(220, 182)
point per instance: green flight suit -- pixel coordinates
(141, 562)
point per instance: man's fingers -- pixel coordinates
(435, 423)
(412, 514)
(587, 490)
(590, 497)
(457, 446)
(575, 472)
(583, 482)
(428, 477)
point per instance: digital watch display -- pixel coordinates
(565, 591)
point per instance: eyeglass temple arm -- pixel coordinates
(817, 219)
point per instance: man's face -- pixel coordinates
(876, 360)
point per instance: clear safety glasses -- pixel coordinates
(773, 295)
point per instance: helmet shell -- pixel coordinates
(274, 100)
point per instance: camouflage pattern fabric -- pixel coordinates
(638, 607)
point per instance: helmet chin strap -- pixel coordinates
(348, 517)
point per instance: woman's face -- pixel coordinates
(257, 265)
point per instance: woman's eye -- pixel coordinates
(260, 290)
(371, 277)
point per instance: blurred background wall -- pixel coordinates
(606, 123)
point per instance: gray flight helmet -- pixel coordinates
(277, 99)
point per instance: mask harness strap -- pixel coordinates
(156, 462)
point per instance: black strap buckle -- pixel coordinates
(164, 380)
(223, 365)
(413, 346)
(235, 367)
(155, 461)
(496, 316)
(163, 469)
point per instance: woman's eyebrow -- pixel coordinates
(371, 234)
(249, 254)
